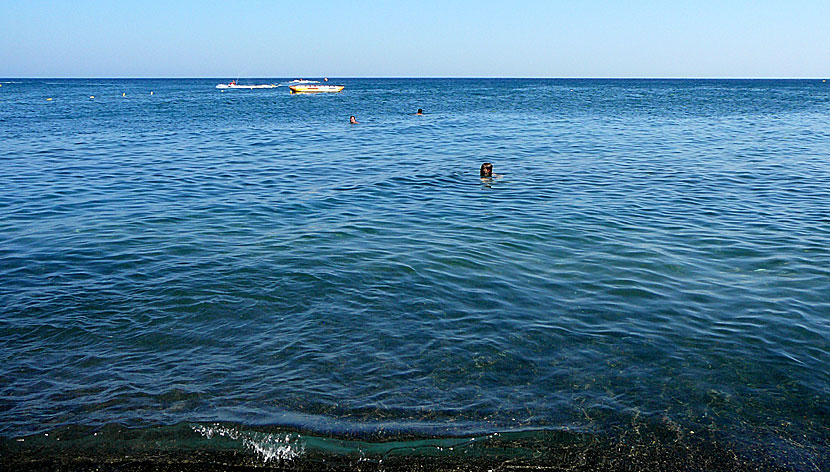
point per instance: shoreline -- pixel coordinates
(227, 448)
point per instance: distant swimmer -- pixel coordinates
(420, 112)
(353, 120)
(487, 171)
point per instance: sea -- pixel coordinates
(202, 279)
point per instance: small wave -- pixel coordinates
(279, 447)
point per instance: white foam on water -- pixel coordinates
(279, 447)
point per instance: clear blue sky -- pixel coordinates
(353, 38)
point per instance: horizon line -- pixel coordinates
(428, 77)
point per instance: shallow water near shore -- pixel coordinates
(222, 270)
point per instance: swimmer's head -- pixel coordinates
(420, 112)
(486, 169)
(352, 119)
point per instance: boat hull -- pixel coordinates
(250, 87)
(316, 88)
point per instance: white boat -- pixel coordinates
(233, 85)
(315, 88)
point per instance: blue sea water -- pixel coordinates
(655, 252)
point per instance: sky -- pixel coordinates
(354, 38)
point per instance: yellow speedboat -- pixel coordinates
(313, 88)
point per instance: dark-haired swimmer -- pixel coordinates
(420, 112)
(486, 169)
(486, 172)
(353, 120)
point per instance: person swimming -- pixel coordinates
(353, 120)
(420, 112)
(486, 170)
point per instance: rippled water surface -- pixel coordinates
(653, 251)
